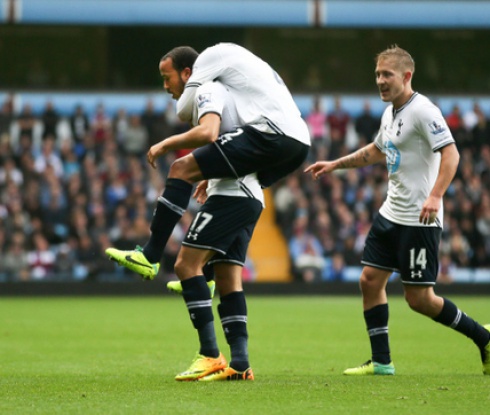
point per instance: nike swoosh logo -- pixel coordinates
(129, 259)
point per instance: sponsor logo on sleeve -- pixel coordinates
(203, 99)
(436, 128)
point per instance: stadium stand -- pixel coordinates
(69, 188)
(72, 184)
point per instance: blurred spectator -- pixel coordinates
(286, 200)
(26, 122)
(134, 142)
(26, 132)
(338, 120)
(470, 117)
(116, 192)
(170, 115)
(351, 251)
(6, 117)
(482, 251)
(49, 158)
(446, 270)
(335, 270)
(248, 273)
(50, 119)
(455, 120)
(460, 248)
(317, 124)
(120, 124)
(155, 124)
(71, 164)
(32, 198)
(306, 253)
(65, 260)
(41, 258)
(80, 128)
(18, 219)
(10, 172)
(367, 125)
(89, 259)
(15, 263)
(480, 132)
(101, 129)
(55, 214)
(456, 124)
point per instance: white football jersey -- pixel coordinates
(215, 98)
(262, 99)
(410, 138)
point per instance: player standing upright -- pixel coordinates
(421, 158)
(219, 236)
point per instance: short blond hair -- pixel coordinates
(403, 59)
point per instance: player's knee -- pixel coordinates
(422, 300)
(181, 269)
(185, 168)
(177, 169)
(369, 282)
(415, 302)
(185, 269)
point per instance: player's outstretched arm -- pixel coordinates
(365, 156)
(320, 168)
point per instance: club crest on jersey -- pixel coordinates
(203, 99)
(399, 131)
(436, 128)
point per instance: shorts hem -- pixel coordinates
(227, 261)
(370, 264)
(206, 247)
(417, 283)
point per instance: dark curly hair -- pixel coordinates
(182, 57)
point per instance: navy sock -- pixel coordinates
(233, 314)
(207, 340)
(453, 317)
(199, 304)
(170, 208)
(208, 271)
(377, 325)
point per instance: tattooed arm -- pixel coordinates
(365, 156)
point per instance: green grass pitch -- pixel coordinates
(104, 355)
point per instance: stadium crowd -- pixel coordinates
(72, 186)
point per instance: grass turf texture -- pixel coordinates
(120, 356)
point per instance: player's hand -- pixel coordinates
(200, 193)
(319, 168)
(154, 152)
(428, 214)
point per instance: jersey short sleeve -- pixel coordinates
(433, 126)
(209, 98)
(208, 67)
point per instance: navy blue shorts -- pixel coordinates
(247, 150)
(411, 251)
(224, 224)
